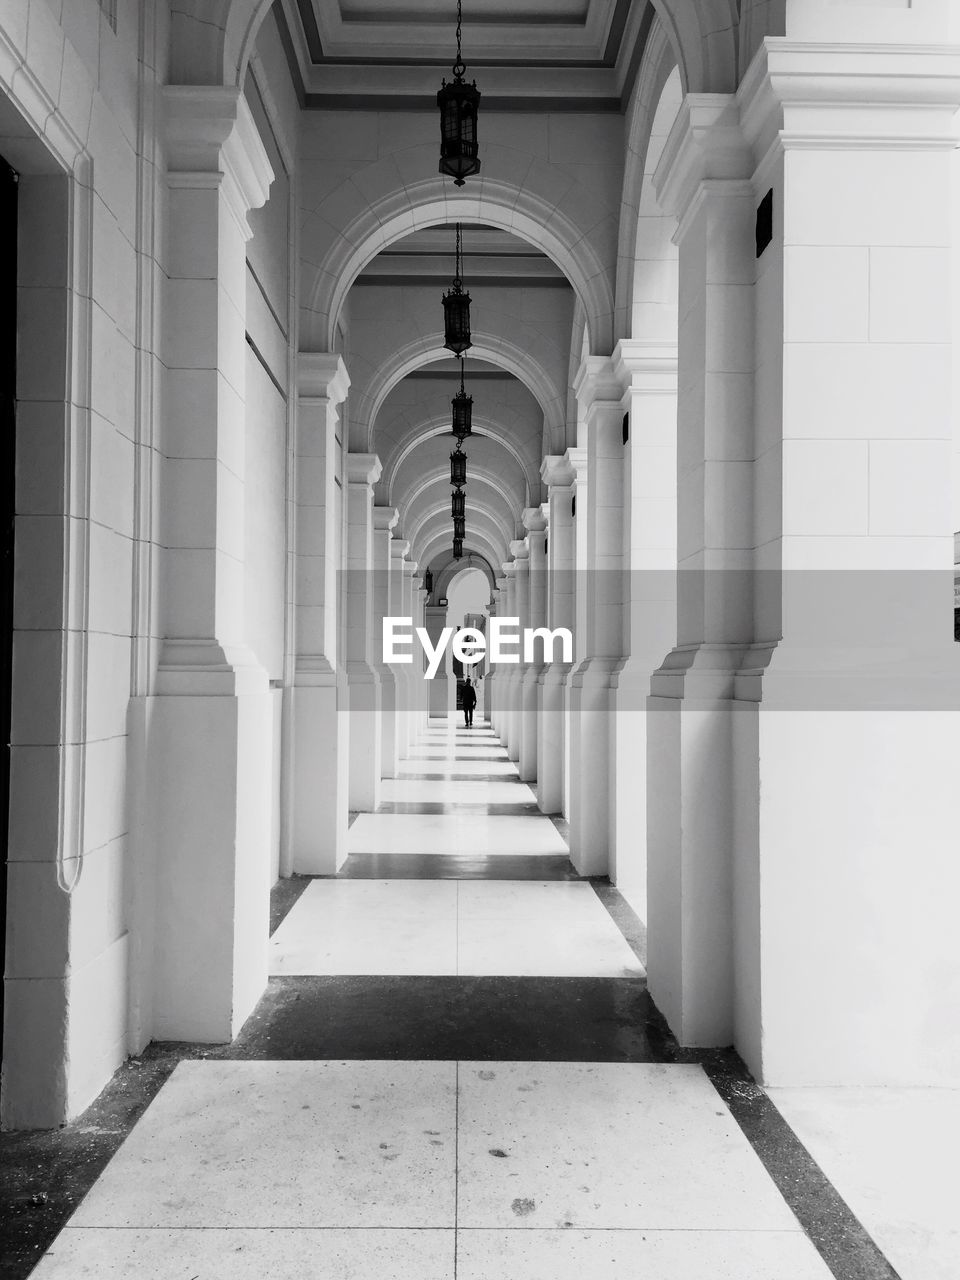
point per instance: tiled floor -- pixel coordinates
(892, 1155)
(457, 1071)
(549, 929)
(435, 1169)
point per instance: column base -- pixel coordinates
(363, 698)
(209, 826)
(318, 817)
(551, 736)
(590, 754)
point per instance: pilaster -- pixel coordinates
(316, 826)
(363, 471)
(211, 740)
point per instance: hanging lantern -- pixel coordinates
(458, 119)
(459, 527)
(462, 406)
(456, 310)
(458, 505)
(458, 468)
(428, 582)
(457, 548)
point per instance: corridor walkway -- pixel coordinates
(456, 1072)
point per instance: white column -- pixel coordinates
(316, 826)
(848, 713)
(384, 520)
(410, 675)
(649, 371)
(702, 179)
(535, 524)
(599, 533)
(435, 619)
(558, 474)
(521, 603)
(211, 723)
(363, 471)
(506, 672)
(421, 596)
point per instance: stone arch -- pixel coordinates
(644, 145)
(488, 519)
(450, 572)
(211, 40)
(475, 544)
(479, 479)
(360, 228)
(439, 427)
(425, 350)
(704, 41)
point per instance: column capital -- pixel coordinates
(706, 144)
(399, 548)
(576, 460)
(636, 359)
(509, 568)
(800, 94)
(520, 551)
(596, 380)
(322, 375)
(556, 471)
(409, 567)
(534, 520)
(363, 468)
(384, 518)
(211, 137)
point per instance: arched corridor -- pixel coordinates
(624, 406)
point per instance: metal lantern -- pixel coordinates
(459, 527)
(458, 468)
(462, 407)
(458, 119)
(456, 310)
(457, 548)
(462, 413)
(458, 504)
(428, 582)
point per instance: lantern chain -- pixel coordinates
(459, 67)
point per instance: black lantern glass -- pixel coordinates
(459, 528)
(457, 548)
(462, 414)
(462, 407)
(458, 119)
(458, 468)
(456, 310)
(458, 504)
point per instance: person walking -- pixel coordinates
(469, 702)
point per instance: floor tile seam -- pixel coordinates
(454, 1228)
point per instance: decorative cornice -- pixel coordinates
(799, 95)
(322, 375)
(576, 459)
(597, 380)
(210, 130)
(556, 471)
(399, 548)
(409, 566)
(519, 549)
(384, 518)
(363, 468)
(533, 520)
(635, 359)
(705, 144)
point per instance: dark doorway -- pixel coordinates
(8, 410)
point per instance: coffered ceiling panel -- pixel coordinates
(518, 50)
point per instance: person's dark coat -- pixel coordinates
(469, 697)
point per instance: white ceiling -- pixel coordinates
(525, 50)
